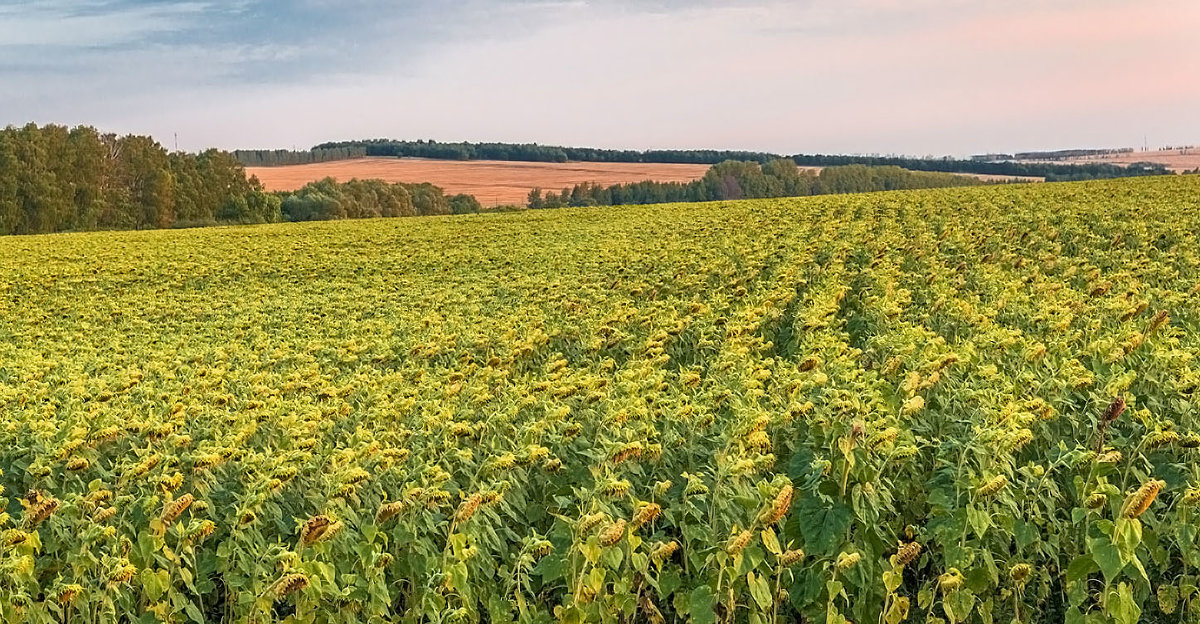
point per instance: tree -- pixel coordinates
(553, 200)
(53, 178)
(10, 206)
(429, 200)
(464, 204)
(40, 196)
(143, 169)
(535, 199)
(90, 171)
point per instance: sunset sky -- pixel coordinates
(847, 76)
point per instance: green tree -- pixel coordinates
(144, 173)
(89, 169)
(464, 204)
(535, 199)
(10, 205)
(552, 200)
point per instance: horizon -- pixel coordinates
(936, 77)
(170, 146)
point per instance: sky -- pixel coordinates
(917, 77)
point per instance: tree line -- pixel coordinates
(1068, 153)
(56, 179)
(364, 199)
(732, 180)
(1052, 172)
(533, 152)
(278, 158)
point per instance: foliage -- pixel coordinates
(1052, 172)
(358, 199)
(879, 408)
(532, 152)
(1062, 154)
(55, 179)
(279, 158)
(748, 180)
(464, 204)
(552, 153)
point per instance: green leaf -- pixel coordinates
(326, 570)
(595, 579)
(819, 526)
(1137, 565)
(625, 602)
(668, 582)
(770, 541)
(702, 605)
(1081, 567)
(1121, 605)
(1186, 534)
(985, 611)
(760, 590)
(979, 578)
(834, 588)
(1024, 532)
(612, 557)
(456, 576)
(1128, 536)
(958, 605)
(750, 559)
(571, 615)
(499, 609)
(925, 598)
(551, 568)
(980, 520)
(896, 613)
(892, 580)
(591, 550)
(1077, 588)
(155, 584)
(806, 588)
(1107, 557)
(960, 557)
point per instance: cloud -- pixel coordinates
(918, 76)
(81, 24)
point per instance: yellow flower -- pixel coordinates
(913, 405)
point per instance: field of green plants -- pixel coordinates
(973, 405)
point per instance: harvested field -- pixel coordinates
(492, 182)
(988, 177)
(1177, 160)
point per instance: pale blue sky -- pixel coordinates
(862, 76)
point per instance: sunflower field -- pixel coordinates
(948, 406)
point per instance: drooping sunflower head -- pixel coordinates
(992, 486)
(1140, 501)
(907, 553)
